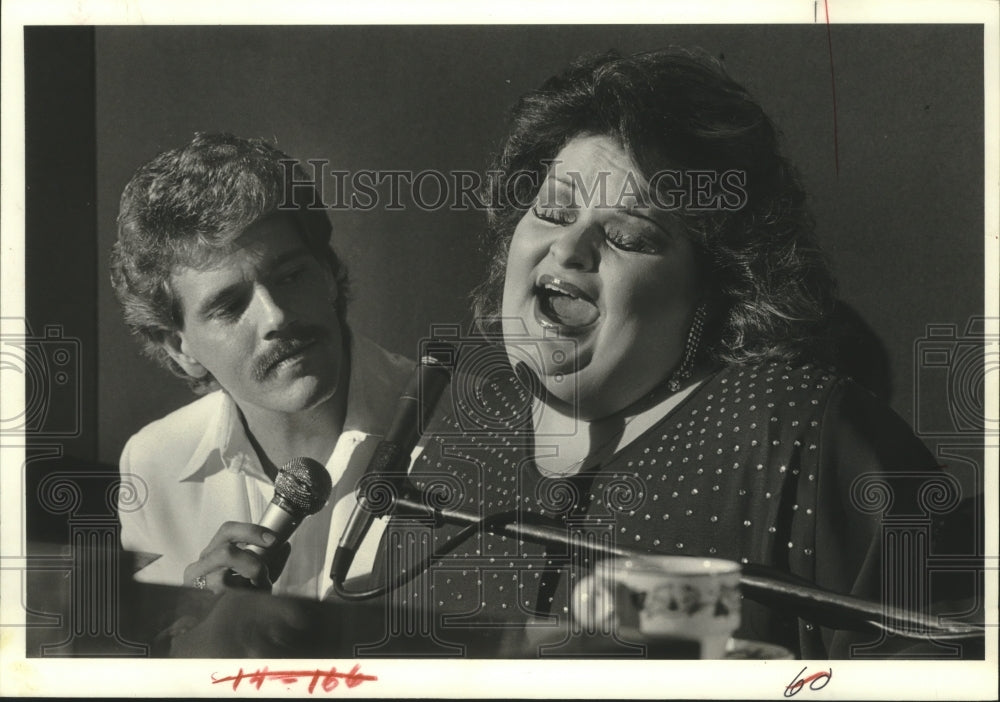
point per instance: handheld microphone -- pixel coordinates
(301, 489)
(392, 455)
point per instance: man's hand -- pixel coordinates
(225, 554)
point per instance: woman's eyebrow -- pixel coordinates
(549, 188)
(560, 178)
(640, 213)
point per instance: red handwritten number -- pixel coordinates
(816, 681)
(327, 679)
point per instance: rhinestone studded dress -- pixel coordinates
(756, 465)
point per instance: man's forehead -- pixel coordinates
(265, 242)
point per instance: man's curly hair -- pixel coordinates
(769, 287)
(187, 207)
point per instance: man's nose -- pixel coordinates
(273, 313)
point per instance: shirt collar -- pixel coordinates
(375, 382)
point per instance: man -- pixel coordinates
(226, 275)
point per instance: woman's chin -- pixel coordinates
(554, 359)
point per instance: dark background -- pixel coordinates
(899, 208)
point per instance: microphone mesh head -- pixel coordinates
(303, 484)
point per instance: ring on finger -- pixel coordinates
(200, 583)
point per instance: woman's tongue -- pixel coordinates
(568, 311)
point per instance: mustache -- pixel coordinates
(288, 344)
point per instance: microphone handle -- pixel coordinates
(421, 394)
(280, 520)
(392, 454)
(388, 458)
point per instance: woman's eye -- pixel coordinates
(628, 241)
(555, 215)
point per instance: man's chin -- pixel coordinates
(302, 394)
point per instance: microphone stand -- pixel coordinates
(760, 583)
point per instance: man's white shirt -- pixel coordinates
(195, 469)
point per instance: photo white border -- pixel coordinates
(462, 678)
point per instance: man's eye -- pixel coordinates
(292, 275)
(555, 215)
(229, 310)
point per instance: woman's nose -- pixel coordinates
(575, 245)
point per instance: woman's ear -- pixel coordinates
(173, 343)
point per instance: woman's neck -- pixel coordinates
(565, 444)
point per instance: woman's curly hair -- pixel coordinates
(769, 287)
(186, 207)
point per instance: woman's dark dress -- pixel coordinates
(770, 464)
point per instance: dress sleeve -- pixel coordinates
(879, 491)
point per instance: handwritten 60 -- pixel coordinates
(816, 681)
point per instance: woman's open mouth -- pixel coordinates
(564, 306)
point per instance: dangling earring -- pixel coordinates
(683, 371)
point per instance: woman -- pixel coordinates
(661, 301)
